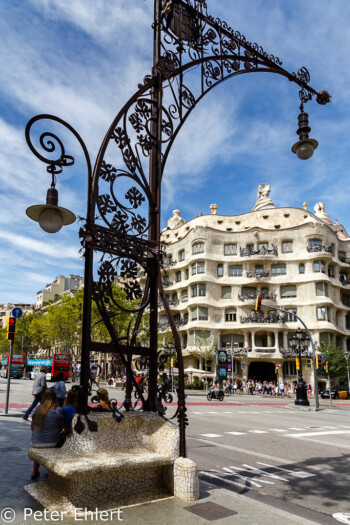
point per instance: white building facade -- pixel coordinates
(217, 265)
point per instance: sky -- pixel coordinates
(82, 60)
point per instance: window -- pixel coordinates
(319, 266)
(163, 322)
(220, 270)
(186, 273)
(182, 255)
(198, 290)
(198, 248)
(230, 314)
(326, 338)
(278, 269)
(230, 249)
(331, 271)
(290, 317)
(199, 337)
(198, 267)
(199, 313)
(301, 268)
(259, 269)
(315, 244)
(184, 296)
(322, 289)
(288, 291)
(248, 291)
(263, 245)
(323, 313)
(226, 292)
(287, 247)
(341, 256)
(178, 277)
(289, 368)
(235, 270)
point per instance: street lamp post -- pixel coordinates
(299, 343)
(347, 356)
(122, 233)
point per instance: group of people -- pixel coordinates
(54, 409)
(254, 387)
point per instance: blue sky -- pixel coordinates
(81, 60)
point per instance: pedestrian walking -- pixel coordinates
(60, 388)
(38, 390)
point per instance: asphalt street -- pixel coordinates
(263, 450)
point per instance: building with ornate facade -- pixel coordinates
(60, 286)
(217, 265)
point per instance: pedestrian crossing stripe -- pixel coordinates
(319, 432)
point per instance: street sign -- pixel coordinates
(242, 365)
(323, 357)
(17, 312)
(315, 343)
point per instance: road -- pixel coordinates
(264, 449)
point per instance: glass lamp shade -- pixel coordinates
(304, 149)
(50, 220)
(299, 334)
(293, 342)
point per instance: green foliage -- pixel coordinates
(336, 362)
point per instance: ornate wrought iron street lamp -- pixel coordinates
(299, 343)
(125, 238)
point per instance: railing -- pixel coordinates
(167, 283)
(168, 263)
(344, 259)
(178, 323)
(265, 350)
(275, 318)
(249, 251)
(288, 352)
(345, 301)
(171, 302)
(320, 248)
(237, 352)
(344, 281)
(252, 296)
(258, 275)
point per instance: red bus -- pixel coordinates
(17, 365)
(55, 364)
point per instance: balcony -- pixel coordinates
(259, 274)
(252, 296)
(344, 280)
(288, 352)
(261, 318)
(169, 263)
(178, 323)
(320, 248)
(344, 259)
(345, 301)
(237, 352)
(166, 283)
(266, 350)
(171, 302)
(249, 251)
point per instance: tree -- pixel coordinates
(336, 362)
(205, 349)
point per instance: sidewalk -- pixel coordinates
(216, 505)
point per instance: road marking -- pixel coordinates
(296, 473)
(220, 478)
(211, 435)
(258, 431)
(278, 429)
(245, 478)
(264, 473)
(228, 412)
(249, 471)
(235, 433)
(343, 518)
(296, 428)
(323, 433)
(197, 413)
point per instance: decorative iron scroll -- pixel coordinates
(123, 217)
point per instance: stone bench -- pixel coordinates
(123, 463)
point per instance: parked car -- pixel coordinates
(337, 393)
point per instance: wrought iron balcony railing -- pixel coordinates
(274, 318)
(344, 259)
(167, 283)
(288, 352)
(171, 302)
(258, 275)
(344, 281)
(169, 263)
(249, 251)
(320, 248)
(265, 350)
(345, 301)
(238, 352)
(252, 296)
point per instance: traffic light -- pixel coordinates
(11, 328)
(318, 361)
(258, 303)
(326, 367)
(309, 363)
(297, 363)
(276, 368)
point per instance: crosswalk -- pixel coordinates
(288, 431)
(259, 475)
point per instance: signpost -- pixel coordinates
(16, 313)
